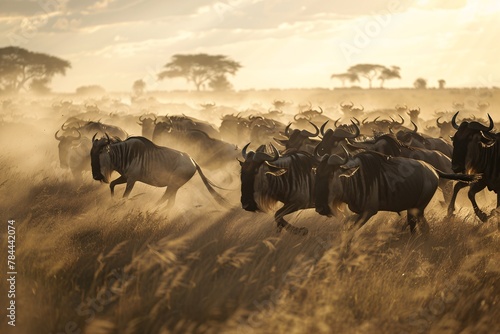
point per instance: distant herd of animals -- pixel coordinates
(365, 161)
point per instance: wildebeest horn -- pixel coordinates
(63, 128)
(415, 127)
(336, 160)
(79, 136)
(439, 125)
(402, 120)
(357, 121)
(310, 134)
(321, 109)
(107, 137)
(140, 118)
(58, 138)
(375, 120)
(262, 156)
(244, 151)
(362, 108)
(93, 137)
(322, 129)
(477, 126)
(287, 129)
(454, 121)
(364, 121)
(336, 121)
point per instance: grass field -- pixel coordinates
(89, 263)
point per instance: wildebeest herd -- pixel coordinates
(364, 161)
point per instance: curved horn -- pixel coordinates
(321, 109)
(454, 121)
(402, 120)
(140, 118)
(335, 123)
(310, 134)
(58, 138)
(439, 125)
(287, 129)
(362, 108)
(93, 137)
(322, 129)
(244, 151)
(415, 126)
(357, 121)
(64, 128)
(262, 156)
(107, 137)
(477, 126)
(364, 121)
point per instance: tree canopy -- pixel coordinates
(20, 67)
(343, 77)
(420, 83)
(200, 69)
(367, 71)
(389, 73)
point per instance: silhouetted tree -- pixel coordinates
(220, 84)
(441, 83)
(389, 73)
(19, 67)
(199, 68)
(420, 83)
(40, 86)
(367, 71)
(343, 77)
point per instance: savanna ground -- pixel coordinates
(87, 263)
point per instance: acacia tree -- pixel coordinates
(389, 73)
(20, 67)
(420, 83)
(220, 84)
(343, 77)
(367, 71)
(199, 69)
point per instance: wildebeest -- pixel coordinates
(333, 139)
(415, 139)
(90, 127)
(139, 159)
(147, 125)
(369, 182)
(388, 144)
(74, 153)
(300, 140)
(267, 179)
(476, 150)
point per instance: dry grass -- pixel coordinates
(87, 262)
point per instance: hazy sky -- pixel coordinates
(280, 44)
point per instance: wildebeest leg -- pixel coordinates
(446, 187)
(424, 225)
(169, 195)
(474, 189)
(128, 188)
(412, 221)
(456, 189)
(122, 179)
(363, 218)
(281, 222)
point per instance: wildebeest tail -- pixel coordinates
(459, 177)
(210, 186)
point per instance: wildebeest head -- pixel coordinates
(333, 138)
(65, 144)
(249, 169)
(101, 169)
(466, 141)
(330, 167)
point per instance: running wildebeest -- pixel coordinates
(476, 150)
(369, 182)
(139, 159)
(74, 153)
(267, 179)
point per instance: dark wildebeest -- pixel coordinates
(147, 125)
(476, 150)
(209, 153)
(267, 179)
(415, 139)
(139, 159)
(369, 182)
(333, 139)
(300, 140)
(89, 128)
(74, 153)
(388, 144)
